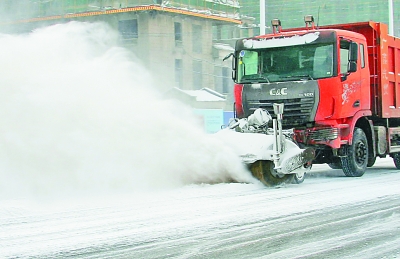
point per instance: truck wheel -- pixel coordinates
(396, 160)
(264, 171)
(299, 178)
(355, 162)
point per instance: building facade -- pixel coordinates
(173, 39)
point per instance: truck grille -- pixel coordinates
(323, 134)
(297, 111)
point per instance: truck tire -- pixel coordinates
(299, 178)
(355, 162)
(396, 160)
(264, 171)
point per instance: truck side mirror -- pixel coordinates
(353, 53)
(233, 64)
(234, 68)
(352, 67)
(228, 56)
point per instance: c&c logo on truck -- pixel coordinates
(275, 91)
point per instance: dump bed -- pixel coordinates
(384, 65)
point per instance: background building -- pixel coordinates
(173, 39)
(182, 42)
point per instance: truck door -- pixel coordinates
(350, 78)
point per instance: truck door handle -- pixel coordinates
(356, 103)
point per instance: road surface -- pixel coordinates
(328, 216)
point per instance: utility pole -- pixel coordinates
(391, 22)
(262, 17)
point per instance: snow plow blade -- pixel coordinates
(256, 150)
(297, 161)
(272, 155)
(299, 164)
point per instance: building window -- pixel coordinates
(128, 28)
(178, 33)
(225, 80)
(197, 39)
(178, 73)
(197, 74)
(245, 33)
(216, 32)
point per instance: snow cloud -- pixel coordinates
(80, 114)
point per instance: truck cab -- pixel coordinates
(322, 76)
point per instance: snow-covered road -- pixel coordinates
(328, 216)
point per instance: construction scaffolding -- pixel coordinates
(25, 9)
(325, 12)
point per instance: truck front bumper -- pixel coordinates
(329, 136)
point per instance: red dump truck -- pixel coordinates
(339, 84)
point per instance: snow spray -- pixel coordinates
(79, 114)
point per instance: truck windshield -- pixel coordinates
(289, 63)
